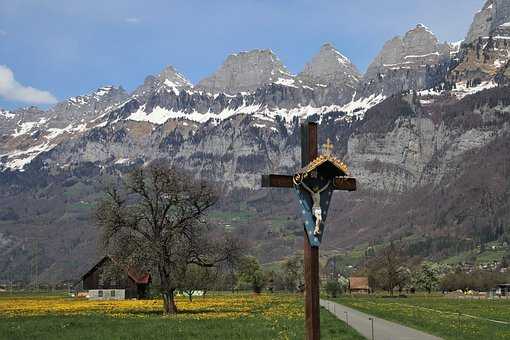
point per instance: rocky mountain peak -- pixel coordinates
(328, 49)
(418, 47)
(5, 113)
(109, 90)
(330, 67)
(245, 72)
(170, 77)
(85, 107)
(492, 20)
(485, 52)
(414, 61)
(455, 46)
(104, 94)
(420, 40)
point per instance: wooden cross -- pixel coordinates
(309, 152)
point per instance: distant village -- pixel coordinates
(108, 279)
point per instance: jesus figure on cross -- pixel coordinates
(316, 206)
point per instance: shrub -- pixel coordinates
(333, 289)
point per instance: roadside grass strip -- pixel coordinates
(453, 313)
(444, 317)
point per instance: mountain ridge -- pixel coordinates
(169, 95)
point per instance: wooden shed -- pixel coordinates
(359, 285)
(134, 282)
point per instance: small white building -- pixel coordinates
(194, 293)
(503, 289)
(106, 294)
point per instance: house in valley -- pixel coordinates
(359, 285)
(108, 279)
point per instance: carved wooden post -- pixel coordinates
(311, 254)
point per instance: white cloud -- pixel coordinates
(3, 33)
(132, 20)
(10, 89)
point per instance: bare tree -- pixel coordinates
(293, 273)
(388, 268)
(155, 219)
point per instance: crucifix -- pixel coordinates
(314, 184)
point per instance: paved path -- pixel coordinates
(383, 330)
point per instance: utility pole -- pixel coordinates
(35, 265)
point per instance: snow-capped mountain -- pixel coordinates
(257, 84)
(27, 132)
(246, 72)
(485, 53)
(168, 80)
(417, 48)
(329, 67)
(413, 62)
(490, 21)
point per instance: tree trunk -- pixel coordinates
(167, 292)
(169, 302)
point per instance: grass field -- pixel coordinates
(440, 315)
(239, 316)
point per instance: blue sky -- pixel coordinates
(54, 49)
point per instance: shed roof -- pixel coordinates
(358, 283)
(139, 277)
